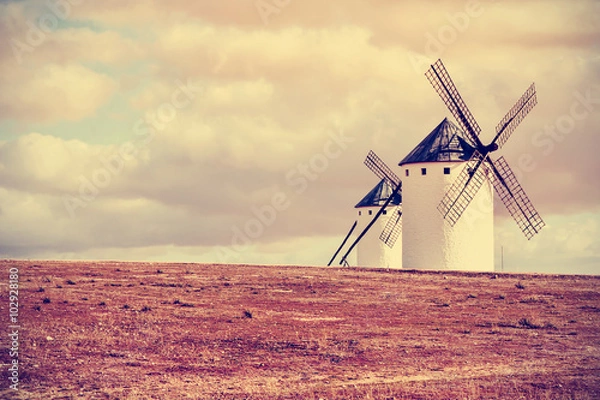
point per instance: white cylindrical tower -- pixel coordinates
(430, 241)
(372, 251)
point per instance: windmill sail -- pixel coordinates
(463, 190)
(513, 118)
(516, 201)
(392, 230)
(379, 168)
(343, 243)
(444, 86)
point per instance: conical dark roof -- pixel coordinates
(445, 143)
(378, 195)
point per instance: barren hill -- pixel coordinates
(111, 330)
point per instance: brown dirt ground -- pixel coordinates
(112, 330)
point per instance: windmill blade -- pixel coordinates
(514, 198)
(463, 190)
(392, 230)
(444, 86)
(370, 224)
(381, 169)
(343, 243)
(513, 118)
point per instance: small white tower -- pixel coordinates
(372, 251)
(428, 240)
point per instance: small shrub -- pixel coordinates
(527, 324)
(441, 303)
(126, 306)
(84, 298)
(70, 282)
(471, 296)
(533, 300)
(37, 308)
(40, 290)
(46, 300)
(159, 271)
(506, 325)
(247, 314)
(102, 303)
(146, 308)
(177, 301)
(520, 285)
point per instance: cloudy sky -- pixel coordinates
(235, 130)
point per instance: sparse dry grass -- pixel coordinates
(253, 332)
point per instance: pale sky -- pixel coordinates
(147, 130)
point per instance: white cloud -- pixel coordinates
(53, 93)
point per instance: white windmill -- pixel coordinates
(380, 209)
(453, 165)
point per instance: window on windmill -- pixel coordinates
(423, 171)
(406, 171)
(370, 212)
(359, 213)
(446, 170)
(384, 212)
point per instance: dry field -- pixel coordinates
(109, 330)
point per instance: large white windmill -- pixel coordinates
(453, 165)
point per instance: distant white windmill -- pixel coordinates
(453, 165)
(380, 217)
